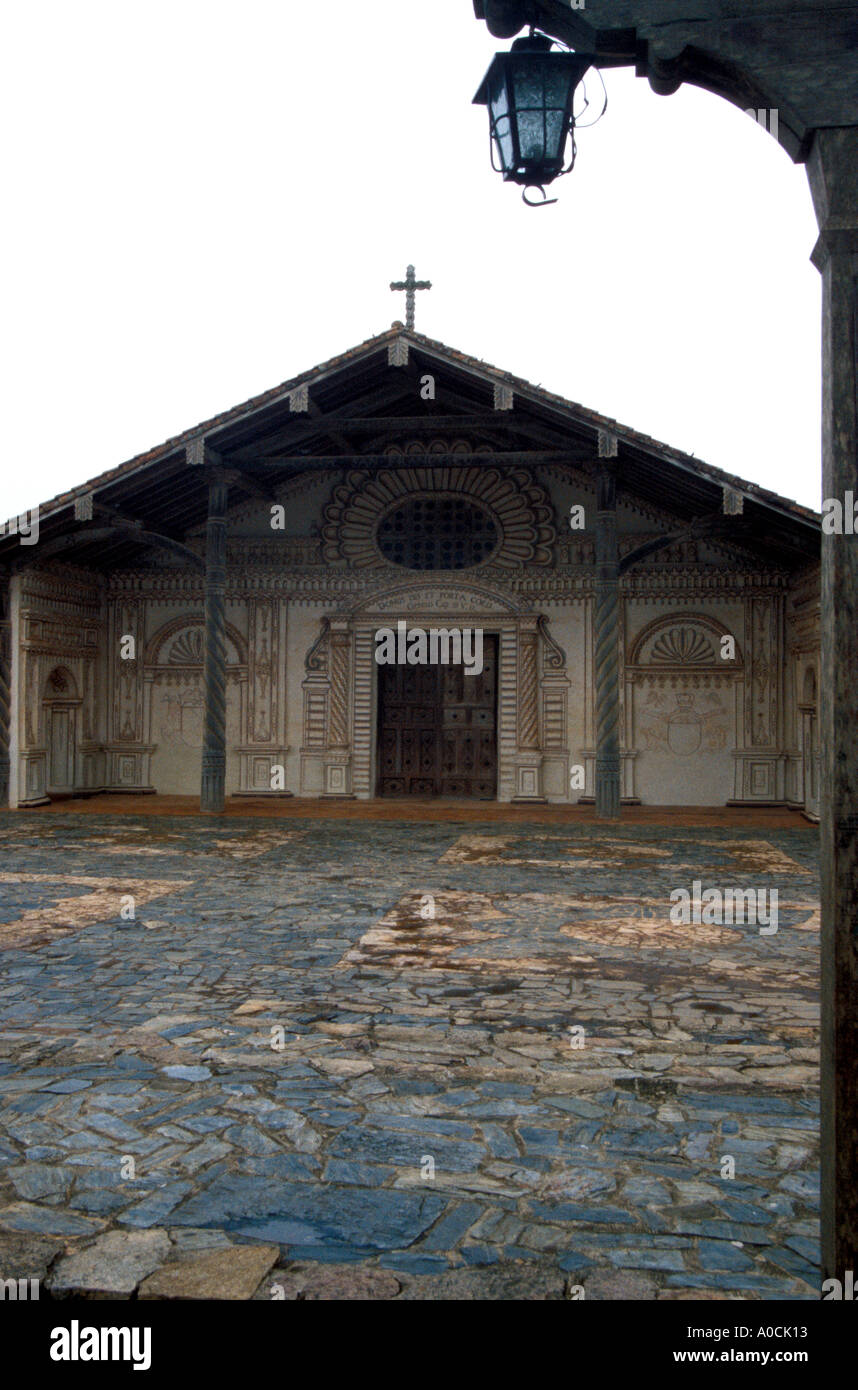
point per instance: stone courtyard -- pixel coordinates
(403, 1057)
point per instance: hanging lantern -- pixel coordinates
(529, 92)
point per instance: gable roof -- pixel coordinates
(270, 438)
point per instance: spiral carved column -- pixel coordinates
(338, 732)
(528, 713)
(605, 633)
(214, 733)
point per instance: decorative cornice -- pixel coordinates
(518, 505)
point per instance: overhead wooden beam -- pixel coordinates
(506, 456)
(238, 477)
(298, 428)
(134, 532)
(382, 425)
(698, 530)
(319, 417)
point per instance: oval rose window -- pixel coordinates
(437, 533)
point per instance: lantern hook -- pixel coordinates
(542, 202)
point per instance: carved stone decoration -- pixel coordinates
(518, 506)
(179, 644)
(263, 672)
(317, 657)
(553, 655)
(732, 502)
(187, 649)
(683, 642)
(555, 687)
(326, 747)
(436, 446)
(683, 723)
(761, 710)
(681, 646)
(316, 691)
(127, 675)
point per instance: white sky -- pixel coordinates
(205, 198)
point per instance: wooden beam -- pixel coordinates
(515, 456)
(834, 185)
(606, 608)
(237, 477)
(133, 531)
(299, 428)
(213, 762)
(698, 530)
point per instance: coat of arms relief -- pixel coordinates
(675, 722)
(685, 710)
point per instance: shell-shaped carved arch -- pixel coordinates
(687, 640)
(518, 506)
(181, 642)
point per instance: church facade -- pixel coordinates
(406, 573)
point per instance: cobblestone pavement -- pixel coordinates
(432, 1053)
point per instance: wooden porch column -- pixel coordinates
(605, 635)
(833, 172)
(214, 729)
(5, 686)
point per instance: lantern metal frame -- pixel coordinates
(497, 91)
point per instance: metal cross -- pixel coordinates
(409, 285)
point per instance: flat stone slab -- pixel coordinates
(26, 1216)
(516, 1280)
(301, 1060)
(112, 1266)
(330, 1217)
(618, 1285)
(233, 1274)
(317, 1283)
(27, 1257)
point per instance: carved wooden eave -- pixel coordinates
(364, 415)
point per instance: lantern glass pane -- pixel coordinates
(501, 122)
(541, 92)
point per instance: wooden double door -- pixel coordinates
(437, 729)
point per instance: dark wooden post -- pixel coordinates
(605, 635)
(833, 171)
(213, 772)
(5, 687)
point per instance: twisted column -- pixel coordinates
(528, 713)
(213, 775)
(605, 632)
(338, 734)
